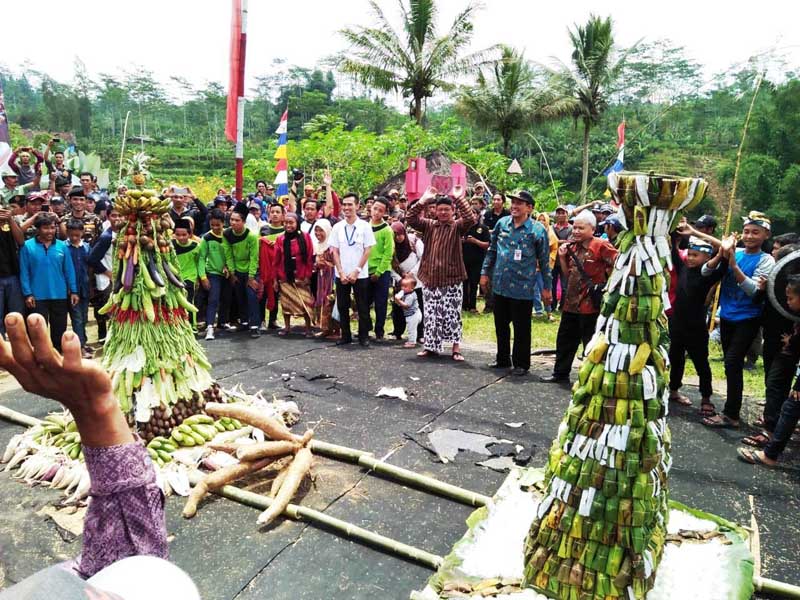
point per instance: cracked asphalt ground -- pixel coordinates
(231, 558)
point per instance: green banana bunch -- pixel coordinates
(160, 450)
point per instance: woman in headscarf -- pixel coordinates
(323, 267)
(294, 266)
(408, 249)
(538, 306)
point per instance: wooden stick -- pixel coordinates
(343, 528)
(423, 482)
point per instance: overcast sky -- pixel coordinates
(190, 37)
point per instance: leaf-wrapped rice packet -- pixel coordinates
(625, 512)
(576, 529)
(551, 564)
(634, 439)
(576, 575)
(654, 408)
(609, 409)
(601, 585)
(609, 533)
(553, 586)
(610, 483)
(595, 408)
(585, 478)
(639, 588)
(612, 507)
(564, 569)
(600, 559)
(624, 536)
(588, 582)
(640, 485)
(597, 511)
(566, 519)
(539, 557)
(573, 471)
(577, 547)
(623, 576)
(598, 474)
(624, 487)
(565, 546)
(615, 556)
(637, 413)
(632, 464)
(621, 412)
(638, 539)
(589, 552)
(619, 461)
(574, 415)
(639, 513)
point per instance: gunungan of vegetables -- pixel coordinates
(600, 530)
(151, 351)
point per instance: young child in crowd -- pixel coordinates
(406, 299)
(79, 252)
(790, 410)
(187, 249)
(241, 257)
(740, 313)
(213, 273)
(688, 329)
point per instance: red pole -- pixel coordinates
(240, 111)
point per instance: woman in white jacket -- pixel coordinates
(408, 249)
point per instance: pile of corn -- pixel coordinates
(599, 532)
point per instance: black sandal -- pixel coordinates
(758, 440)
(458, 357)
(707, 409)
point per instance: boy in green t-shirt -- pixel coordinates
(241, 257)
(213, 273)
(188, 251)
(380, 263)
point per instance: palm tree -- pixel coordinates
(589, 82)
(417, 61)
(509, 100)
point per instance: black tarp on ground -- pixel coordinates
(229, 557)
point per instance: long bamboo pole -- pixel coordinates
(732, 199)
(122, 150)
(423, 482)
(9, 414)
(777, 588)
(354, 532)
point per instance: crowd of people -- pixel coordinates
(336, 263)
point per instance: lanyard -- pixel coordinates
(350, 237)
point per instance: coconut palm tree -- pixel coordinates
(415, 61)
(509, 100)
(589, 81)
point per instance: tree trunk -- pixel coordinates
(585, 166)
(418, 110)
(506, 144)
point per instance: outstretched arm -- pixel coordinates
(126, 515)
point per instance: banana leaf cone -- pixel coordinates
(614, 513)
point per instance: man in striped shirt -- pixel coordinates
(442, 270)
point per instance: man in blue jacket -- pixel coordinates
(48, 277)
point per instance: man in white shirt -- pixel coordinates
(351, 242)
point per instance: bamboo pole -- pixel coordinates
(122, 150)
(732, 200)
(777, 588)
(344, 528)
(423, 482)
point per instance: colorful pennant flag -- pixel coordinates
(282, 167)
(619, 164)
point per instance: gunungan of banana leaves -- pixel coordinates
(600, 529)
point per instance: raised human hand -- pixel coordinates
(82, 386)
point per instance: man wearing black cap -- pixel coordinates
(518, 245)
(92, 226)
(706, 224)
(612, 227)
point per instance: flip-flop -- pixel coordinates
(680, 399)
(427, 354)
(458, 357)
(720, 422)
(705, 411)
(759, 440)
(751, 457)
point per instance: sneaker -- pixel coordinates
(228, 327)
(263, 327)
(254, 333)
(210, 333)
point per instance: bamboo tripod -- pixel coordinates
(360, 534)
